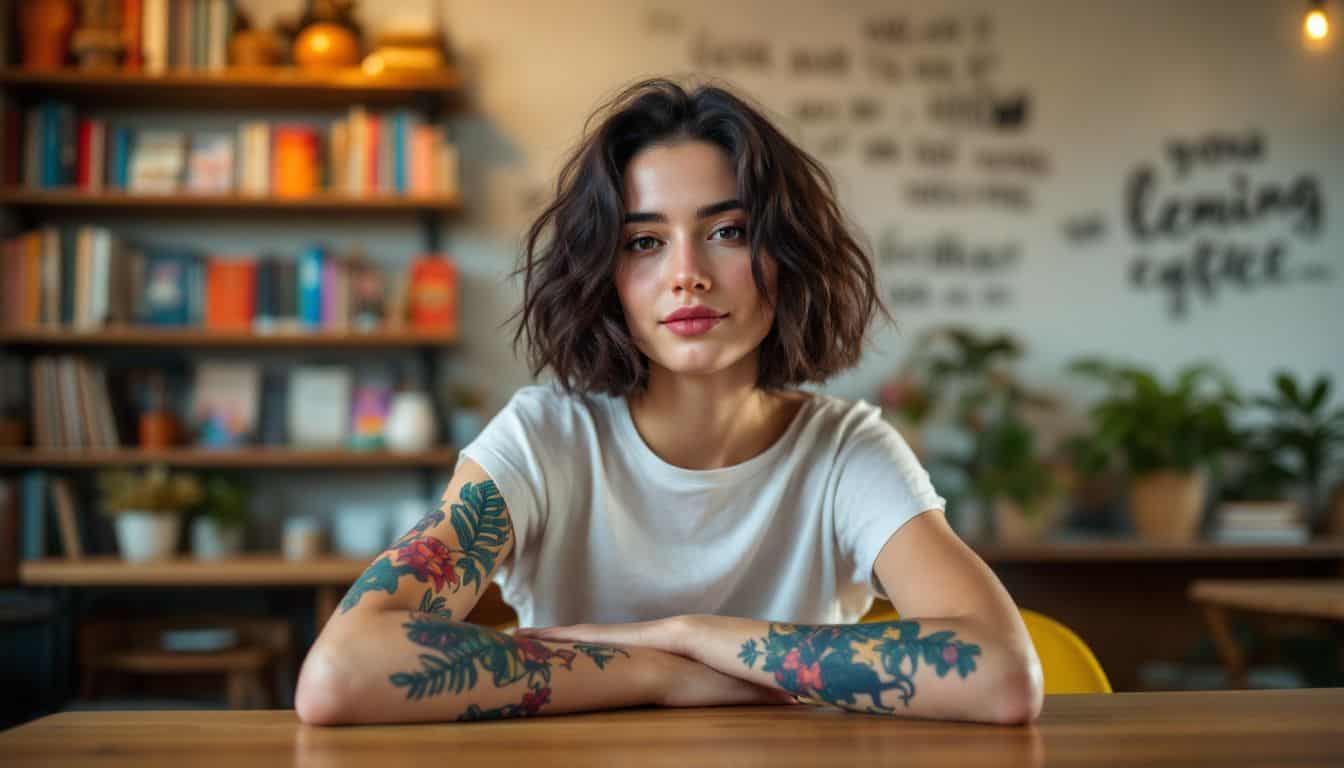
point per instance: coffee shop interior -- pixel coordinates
(256, 263)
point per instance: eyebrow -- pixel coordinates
(708, 210)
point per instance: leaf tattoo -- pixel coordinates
(481, 523)
(458, 654)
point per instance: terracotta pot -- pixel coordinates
(1166, 506)
(157, 430)
(253, 48)
(44, 29)
(326, 46)
(1011, 523)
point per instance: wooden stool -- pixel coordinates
(132, 647)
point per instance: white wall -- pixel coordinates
(1109, 85)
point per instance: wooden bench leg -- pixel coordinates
(237, 689)
(1234, 659)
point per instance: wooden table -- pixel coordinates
(1316, 599)
(1241, 728)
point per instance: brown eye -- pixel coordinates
(642, 243)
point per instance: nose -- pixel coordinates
(688, 273)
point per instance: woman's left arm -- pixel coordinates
(962, 653)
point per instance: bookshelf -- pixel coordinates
(277, 88)
(257, 457)
(57, 201)
(252, 92)
(204, 339)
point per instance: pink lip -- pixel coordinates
(693, 326)
(691, 313)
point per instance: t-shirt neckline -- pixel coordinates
(645, 455)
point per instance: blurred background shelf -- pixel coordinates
(270, 88)
(247, 458)
(194, 337)
(1103, 550)
(61, 200)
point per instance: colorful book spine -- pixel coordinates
(311, 262)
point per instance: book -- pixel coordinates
(157, 161)
(166, 287)
(311, 265)
(67, 518)
(319, 406)
(432, 294)
(225, 403)
(34, 528)
(210, 164)
(230, 293)
(295, 165)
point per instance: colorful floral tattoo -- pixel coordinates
(460, 653)
(482, 527)
(837, 664)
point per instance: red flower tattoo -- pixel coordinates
(535, 699)
(950, 654)
(807, 675)
(536, 652)
(431, 560)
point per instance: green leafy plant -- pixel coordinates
(1301, 441)
(154, 490)
(1007, 465)
(225, 501)
(969, 378)
(1150, 427)
(949, 360)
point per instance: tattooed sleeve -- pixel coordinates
(853, 666)
(481, 523)
(458, 656)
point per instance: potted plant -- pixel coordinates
(947, 362)
(1028, 495)
(217, 532)
(1304, 432)
(1167, 438)
(147, 509)
(968, 378)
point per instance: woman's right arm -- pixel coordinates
(396, 651)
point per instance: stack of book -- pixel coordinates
(70, 404)
(85, 278)
(1251, 522)
(51, 146)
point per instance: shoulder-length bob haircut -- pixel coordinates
(571, 314)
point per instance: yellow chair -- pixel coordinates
(1068, 664)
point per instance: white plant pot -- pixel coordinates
(410, 423)
(212, 541)
(142, 536)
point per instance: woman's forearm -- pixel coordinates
(399, 666)
(937, 668)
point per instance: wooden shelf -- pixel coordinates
(268, 88)
(1132, 550)
(247, 458)
(242, 570)
(195, 337)
(327, 202)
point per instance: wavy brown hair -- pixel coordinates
(571, 314)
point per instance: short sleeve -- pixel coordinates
(879, 487)
(511, 450)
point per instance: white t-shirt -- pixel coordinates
(606, 531)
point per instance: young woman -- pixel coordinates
(675, 522)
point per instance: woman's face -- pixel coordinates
(684, 245)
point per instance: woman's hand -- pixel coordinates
(674, 634)
(687, 683)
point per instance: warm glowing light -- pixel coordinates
(1316, 26)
